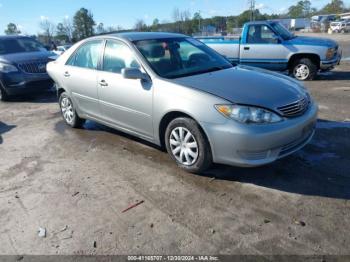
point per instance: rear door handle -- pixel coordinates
(246, 48)
(66, 74)
(103, 83)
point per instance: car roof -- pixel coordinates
(2, 37)
(137, 36)
(262, 22)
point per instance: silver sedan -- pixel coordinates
(176, 92)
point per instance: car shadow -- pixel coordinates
(319, 169)
(104, 132)
(333, 75)
(5, 128)
(322, 168)
(41, 98)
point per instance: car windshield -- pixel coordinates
(179, 57)
(19, 45)
(282, 31)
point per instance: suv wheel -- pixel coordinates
(187, 145)
(304, 69)
(68, 111)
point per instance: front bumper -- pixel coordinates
(252, 145)
(19, 83)
(330, 64)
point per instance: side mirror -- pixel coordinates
(133, 73)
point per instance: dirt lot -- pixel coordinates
(75, 183)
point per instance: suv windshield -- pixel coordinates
(180, 57)
(19, 45)
(282, 31)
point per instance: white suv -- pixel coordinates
(340, 27)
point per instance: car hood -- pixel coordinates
(17, 58)
(317, 41)
(247, 85)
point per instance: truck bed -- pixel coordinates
(227, 46)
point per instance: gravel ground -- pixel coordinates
(75, 184)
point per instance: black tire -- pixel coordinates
(307, 63)
(3, 95)
(204, 157)
(75, 121)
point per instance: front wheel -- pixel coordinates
(304, 69)
(68, 111)
(187, 145)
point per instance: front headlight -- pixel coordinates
(330, 53)
(7, 68)
(248, 114)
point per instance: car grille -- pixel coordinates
(35, 67)
(295, 109)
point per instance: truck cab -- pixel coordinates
(269, 45)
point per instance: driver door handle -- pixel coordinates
(66, 74)
(246, 48)
(103, 83)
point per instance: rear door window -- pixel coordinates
(87, 56)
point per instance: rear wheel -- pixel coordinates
(187, 145)
(3, 95)
(68, 111)
(304, 69)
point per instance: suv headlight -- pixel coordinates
(330, 53)
(7, 68)
(248, 114)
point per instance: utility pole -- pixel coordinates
(252, 9)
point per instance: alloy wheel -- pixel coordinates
(67, 110)
(301, 72)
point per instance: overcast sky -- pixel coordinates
(28, 13)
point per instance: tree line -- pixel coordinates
(83, 25)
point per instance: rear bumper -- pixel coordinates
(19, 83)
(255, 145)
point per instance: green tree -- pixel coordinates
(231, 23)
(245, 17)
(300, 10)
(61, 33)
(334, 7)
(197, 20)
(12, 29)
(140, 25)
(83, 23)
(155, 25)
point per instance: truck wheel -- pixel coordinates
(187, 145)
(304, 69)
(3, 95)
(69, 113)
